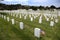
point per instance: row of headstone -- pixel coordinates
(36, 30)
(5, 17)
(33, 16)
(53, 17)
(40, 19)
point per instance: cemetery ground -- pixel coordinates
(9, 31)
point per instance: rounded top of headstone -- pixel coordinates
(38, 28)
(21, 22)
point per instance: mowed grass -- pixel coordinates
(13, 32)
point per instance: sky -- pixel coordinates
(33, 2)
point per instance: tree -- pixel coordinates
(41, 7)
(33, 7)
(52, 7)
(47, 8)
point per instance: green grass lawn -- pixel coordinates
(13, 32)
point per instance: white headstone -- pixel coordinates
(30, 15)
(40, 20)
(34, 17)
(8, 19)
(47, 19)
(51, 23)
(51, 18)
(37, 32)
(56, 20)
(21, 25)
(41, 17)
(20, 15)
(31, 18)
(12, 21)
(4, 17)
